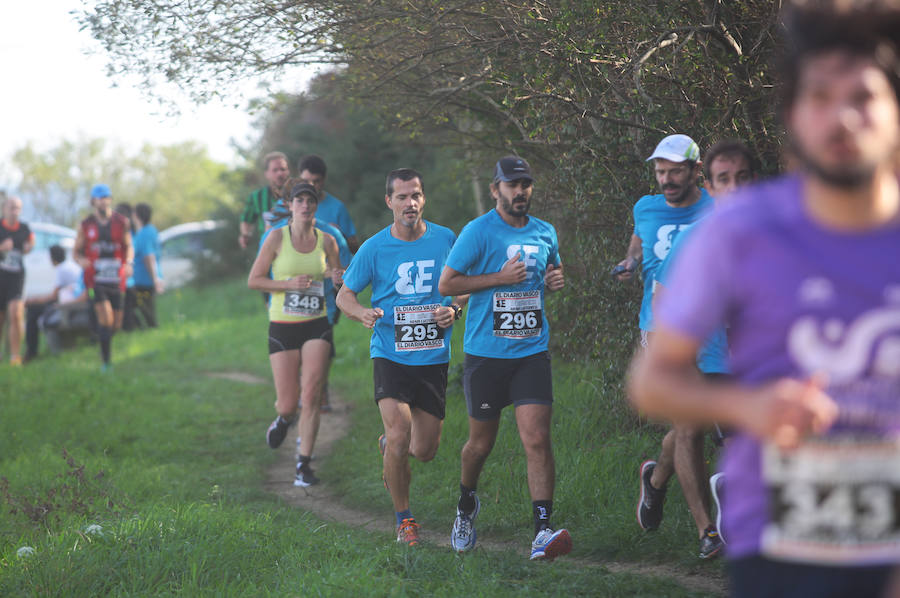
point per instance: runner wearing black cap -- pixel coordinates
(300, 258)
(506, 260)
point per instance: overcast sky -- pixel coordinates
(53, 89)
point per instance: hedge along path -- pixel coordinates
(322, 502)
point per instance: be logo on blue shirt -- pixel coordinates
(413, 276)
(527, 253)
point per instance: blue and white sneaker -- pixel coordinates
(462, 536)
(549, 544)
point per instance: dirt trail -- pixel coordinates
(322, 502)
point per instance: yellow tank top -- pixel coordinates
(307, 304)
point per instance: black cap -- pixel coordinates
(303, 188)
(512, 168)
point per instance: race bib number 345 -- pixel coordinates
(415, 328)
(834, 501)
(307, 303)
(518, 314)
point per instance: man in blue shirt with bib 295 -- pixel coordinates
(507, 259)
(411, 326)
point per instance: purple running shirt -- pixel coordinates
(798, 299)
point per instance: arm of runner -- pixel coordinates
(632, 258)
(150, 264)
(259, 280)
(332, 258)
(664, 382)
(452, 282)
(129, 253)
(246, 233)
(29, 244)
(553, 278)
(348, 302)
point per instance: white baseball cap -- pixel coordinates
(676, 148)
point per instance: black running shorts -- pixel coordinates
(104, 292)
(11, 285)
(421, 386)
(490, 383)
(292, 336)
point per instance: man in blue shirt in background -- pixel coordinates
(147, 274)
(331, 210)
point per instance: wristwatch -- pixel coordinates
(457, 311)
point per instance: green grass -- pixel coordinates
(181, 502)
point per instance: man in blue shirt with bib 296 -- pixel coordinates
(411, 326)
(507, 259)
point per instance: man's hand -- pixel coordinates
(128, 270)
(160, 286)
(370, 316)
(553, 278)
(513, 271)
(625, 269)
(444, 316)
(243, 239)
(337, 277)
(6, 245)
(788, 410)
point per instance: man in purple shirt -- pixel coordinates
(803, 271)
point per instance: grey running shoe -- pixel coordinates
(305, 476)
(462, 536)
(650, 503)
(277, 431)
(717, 488)
(549, 544)
(710, 544)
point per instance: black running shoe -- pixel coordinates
(277, 431)
(305, 476)
(650, 503)
(710, 544)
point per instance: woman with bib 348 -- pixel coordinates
(300, 258)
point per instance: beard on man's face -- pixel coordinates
(517, 206)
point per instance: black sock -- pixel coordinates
(541, 509)
(105, 335)
(302, 462)
(466, 499)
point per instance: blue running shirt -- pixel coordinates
(712, 358)
(508, 321)
(658, 224)
(332, 211)
(404, 277)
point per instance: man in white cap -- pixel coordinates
(658, 220)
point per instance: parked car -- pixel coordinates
(181, 244)
(40, 275)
